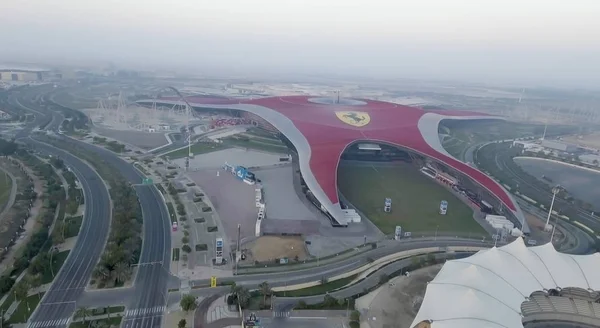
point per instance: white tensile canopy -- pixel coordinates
(487, 289)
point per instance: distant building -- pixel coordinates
(22, 74)
(525, 145)
(590, 159)
(560, 146)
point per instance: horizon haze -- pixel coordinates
(550, 42)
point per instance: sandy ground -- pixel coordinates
(395, 305)
(30, 225)
(267, 248)
(590, 140)
(537, 229)
(144, 140)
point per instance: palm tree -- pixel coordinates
(101, 272)
(35, 282)
(122, 272)
(243, 296)
(265, 290)
(83, 312)
(21, 290)
(233, 288)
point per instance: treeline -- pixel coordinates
(124, 243)
(7, 147)
(36, 250)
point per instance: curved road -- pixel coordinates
(148, 301)
(59, 302)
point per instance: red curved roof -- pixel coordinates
(328, 136)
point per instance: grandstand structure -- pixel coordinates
(320, 130)
(512, 286)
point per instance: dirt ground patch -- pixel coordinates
(396, 305)
(270, 248)
(145, 140)
(590, 140)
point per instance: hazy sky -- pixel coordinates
(552, 41)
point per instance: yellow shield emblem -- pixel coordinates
(357, 119)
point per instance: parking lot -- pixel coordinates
(233, 200)
(233, 156)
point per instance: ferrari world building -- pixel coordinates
(321, 129)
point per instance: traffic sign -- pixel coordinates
(213, 282)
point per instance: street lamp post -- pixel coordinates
(436, 231)
(555, 191)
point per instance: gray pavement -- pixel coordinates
(233, 200)
(13, 192)
(233, 156)
(299, 322)
(280, 198)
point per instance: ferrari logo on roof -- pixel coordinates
(357, 119)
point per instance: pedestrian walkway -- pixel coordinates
(49, 323)
(145, 311)
(219, 310)
(281, 314)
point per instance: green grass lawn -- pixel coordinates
(415, 199)
(112, 322)
(5, 186)
(198, 148)
(57, 261)
(25, 309)
(318, 289)
(9, 300)
(72, 226)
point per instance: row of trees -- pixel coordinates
(124, 243)
(35, 254)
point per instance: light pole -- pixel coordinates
(51, 266)
(555, 190)
(436, 230)
(347, 307)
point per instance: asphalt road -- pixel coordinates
(147, 303)
(329, 270)
(59, 302)
(582, 215)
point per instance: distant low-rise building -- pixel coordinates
(591, 159)
(25, 74)
(560, 146)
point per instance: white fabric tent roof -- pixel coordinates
(487, 289)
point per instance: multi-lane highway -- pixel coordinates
(59, 302)
(146, 305)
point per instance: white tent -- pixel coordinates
(487, 289)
